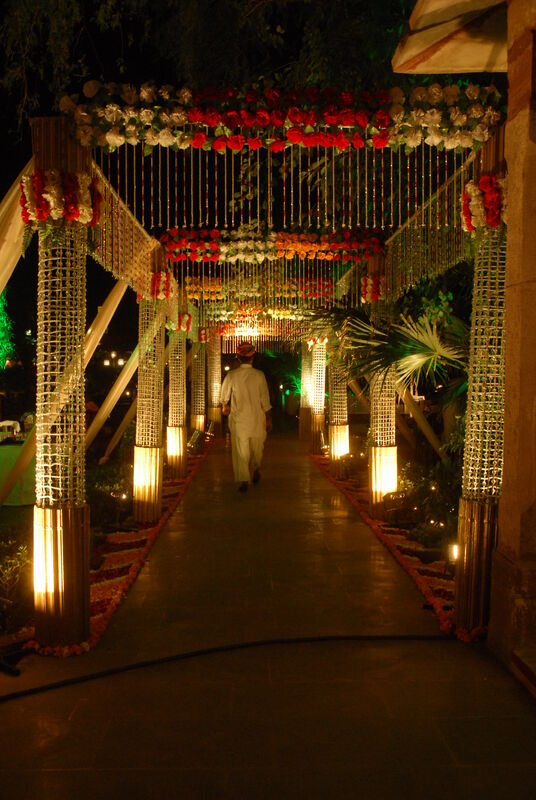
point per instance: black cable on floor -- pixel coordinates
(226, 648)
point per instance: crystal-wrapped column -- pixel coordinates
(382, 452)
(318, 393)
(198, 404)
(305, 392)
(339, 439)
(61, 516)
(484, 434)
(214, 381)
(148, 452)
(177, 431)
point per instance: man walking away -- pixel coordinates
(245, 399)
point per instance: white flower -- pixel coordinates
(491, 116)
(184, 95)
(129, 93)
(452, 141)
(473, 91)
(90, 88)
(178, 117)
(30, 199)
(418, 95)
(146, 116)
(114, 138)
(84, 134)
(67, 105)
(457, 116)
(396, 112)
(165, 91)
(164, 118)
(480, 133)
(466, 138)
(417, 116)
(451, 94)
(113, 113)
(147, 93)
(100, 137)
(433, 117)
(166, 138)
(475, 111)
(84, 198)
(435, 94)
(413, 137)
(53, 193)
(81, 116)
(131, 134)
(434, 136)
(183, 141)
(396, 95)
(129, 113)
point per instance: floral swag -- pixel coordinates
(49, 199)
(484, 204)
(450, 117)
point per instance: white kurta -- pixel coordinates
(247, 390)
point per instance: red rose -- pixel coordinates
(248, 119)
(195, 115)
(214, 233)
(295, 135)
(309, 118)
(236, 142)
(382, 119)
(232, 119)
(330, 115)
(252, 96)
(492, 199)
(312, 93)
(254, 142)
(203, 233)
(380, 140)
(215, 257)
(382, 97)
(213, 245)
(487, 182)
(326, 139)
(362, 118)
(262, 118)
(311, 139)
(198, 139)
(219, 143)
(278, 117)
(273, 96)
(347, 98)
(212, 117)
(347, 117)
(295, 115)
(340, 141)
(358, 141)
(277, 146)
(291, 96)
(164, 237)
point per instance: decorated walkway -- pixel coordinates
(271, 647)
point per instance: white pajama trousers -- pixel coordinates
(247, 455)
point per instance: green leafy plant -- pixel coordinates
(14, 558)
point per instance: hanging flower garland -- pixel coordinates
(484, 204)
(252, 247)
(110, 115)
(372, 288)
(162, 285)
(49, 199)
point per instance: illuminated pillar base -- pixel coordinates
(339, 446)
(317, 428)
(304, 430)
(177, 454)
(61, 575)
(214, 415)
(383, 476)
(197, 422)
(477, 535)
(147, 495)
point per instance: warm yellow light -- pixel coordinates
(48, 569)
(339, 441)
(453, 552)
(175, 441)
(227, 368)
(120, 362)
(113, 354)
(197, 422)
(247, 331)
(106, 362)
(127, 392)
(146, 468)
(384, 476)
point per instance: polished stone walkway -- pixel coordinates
(396, 711)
